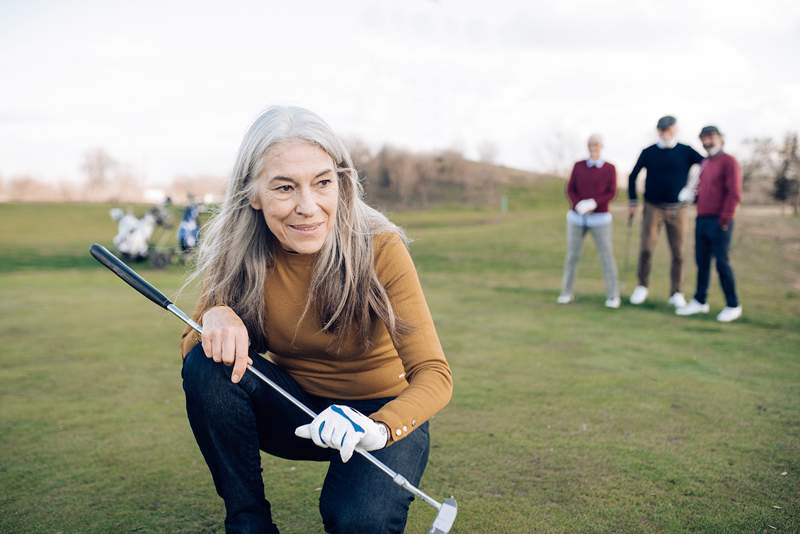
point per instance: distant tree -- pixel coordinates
(66, 190)
(558, 152)
(97, 165)
(760, 165)
(787, 180)
(359, 151)
(397, 177)
(124, 183)
(27, 188)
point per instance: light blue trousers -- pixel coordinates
(602, 238)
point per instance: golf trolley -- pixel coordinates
(147, 238)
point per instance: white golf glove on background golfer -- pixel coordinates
(689, 191)
(686, 195)
(343, 428)
(585, 206)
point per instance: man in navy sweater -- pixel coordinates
(667, 163)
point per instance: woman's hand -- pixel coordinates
(343, 428)
(586, 206)
(225, 340)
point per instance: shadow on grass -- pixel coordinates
(31, 261)
(21, 261)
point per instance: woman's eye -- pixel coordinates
(324, 183)
(284, 188)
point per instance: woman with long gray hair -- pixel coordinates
(296, 265)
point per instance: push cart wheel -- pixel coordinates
(159, 260)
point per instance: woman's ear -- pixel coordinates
(255, 199)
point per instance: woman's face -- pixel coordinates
(595, 149)
(298, 194)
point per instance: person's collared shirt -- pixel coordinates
(595, 163)
(663, 144)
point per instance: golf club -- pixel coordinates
(447, 510)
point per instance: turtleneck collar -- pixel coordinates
(294, 258)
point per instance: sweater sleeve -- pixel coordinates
(733, 189)
(640, 163)
(428, 375)
(572, 189)
(610, 187)
(694, 156)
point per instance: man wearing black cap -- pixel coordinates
(718, 194)
(667, 163)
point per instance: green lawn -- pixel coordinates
(564, 419)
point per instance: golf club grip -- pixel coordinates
(131, 277)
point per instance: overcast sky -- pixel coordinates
(170, 87)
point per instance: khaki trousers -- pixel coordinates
(673, 218)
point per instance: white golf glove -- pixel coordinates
(686, 195)
(343, 428)
(585, 206)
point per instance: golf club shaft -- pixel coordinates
(628, 232)
(397, 478)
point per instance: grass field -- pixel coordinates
(564, 419)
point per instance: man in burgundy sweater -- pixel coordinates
(718, 194)
(591, 187)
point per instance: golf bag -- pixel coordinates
(189, 229)
(133, 234)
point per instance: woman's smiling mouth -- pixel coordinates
(306, 228)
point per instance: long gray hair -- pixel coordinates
(237, 249)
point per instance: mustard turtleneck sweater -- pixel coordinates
(411, 368)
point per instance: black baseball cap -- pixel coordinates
(709, 130)
(665, 122)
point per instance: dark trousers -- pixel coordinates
(673, 218)
(233, 422)
(710, 240)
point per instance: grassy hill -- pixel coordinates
(565, 418)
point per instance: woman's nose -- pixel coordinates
(306, 204)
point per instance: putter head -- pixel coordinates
(445, 518)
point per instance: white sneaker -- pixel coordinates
(729, 314)
(564, 299)
(613, 303)
(678, 300)
(639, 295)
(692, 308)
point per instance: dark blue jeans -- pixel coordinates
(710, 240)
(233, 422)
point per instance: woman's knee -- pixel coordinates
(344, 520)
(365, 500)
(202, 376)
(368, 517)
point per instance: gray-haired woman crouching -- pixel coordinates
(296, 264)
